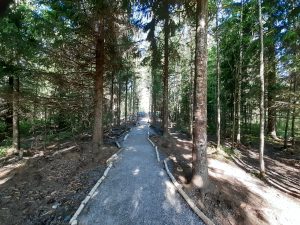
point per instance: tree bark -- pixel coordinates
(271, 75)
(119, 104)
(294, 112)
(126, 99)
(112, 100)
(288, 117)
(218, 81)
(234, 115)
(262, 94)
(98, 91)
(134, 98)
(239, 92)
(166, 74)
(200, 170)
(154, 108)
(16, 108)
(286, 129)
(191, 92)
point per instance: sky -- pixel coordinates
(142, 71)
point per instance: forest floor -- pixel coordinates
(236, 194)
(48, 187)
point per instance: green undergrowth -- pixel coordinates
(3, 151)
(4, 146)
(228, 150)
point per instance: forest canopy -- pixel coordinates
(71, 66)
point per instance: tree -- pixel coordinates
(98, 84)
(218, 78)
(200, 170)
(166, 71)
(262, 93)
(239, 78)
(16, 113)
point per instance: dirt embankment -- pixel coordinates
(48, 189)
(233, 195)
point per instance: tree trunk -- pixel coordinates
(200, 170)
(239, 92)
(134, 98)
(287, 118)
(218, 81)
(119, 104)
(16, 108)
(262, 94)
(126, 99)
(166, 74)
(271, 75)
(294, 112)
(191, 94)
(112, 100)
(131, 99)
(154, 109)
(286, 129)
(98, 84)
(234, 115)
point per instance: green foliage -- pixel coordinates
(25, 128)
(2, 151)
(228, 150)
(4, 146)
(50, 46)
(6, 142)
(2, 127)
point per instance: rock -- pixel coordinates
(55, 205)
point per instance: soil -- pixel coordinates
(229, 199)
(47, 188)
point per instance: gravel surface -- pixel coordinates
(137, 190)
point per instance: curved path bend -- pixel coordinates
(137, 190)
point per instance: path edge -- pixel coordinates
(189, 201)
(109, 162)
(178, 187)
(154, 146)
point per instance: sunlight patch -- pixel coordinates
(171, 197)
(136, 171)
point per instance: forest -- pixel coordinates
(216, 81)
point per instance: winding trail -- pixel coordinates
(137, 190)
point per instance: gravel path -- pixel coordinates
(137, 190)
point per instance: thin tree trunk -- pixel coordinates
(46, 126)
(126, 99)
(286, 129)
(154, 109)
(234, 115)
(287, 118)
(294, 112)
(262, 94)
(200, 169)
(98, 83)
(131, 99)
(218, 81)
(191, 95)
(119, 104)
(16, 108)
(134, 98)
(112, 99)
(166, 74)
(271, 75)
(251, 118)
(239, 92)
